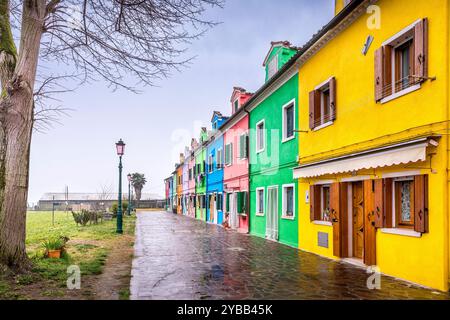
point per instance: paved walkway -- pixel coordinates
(178, 257)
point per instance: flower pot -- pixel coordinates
(54, 254)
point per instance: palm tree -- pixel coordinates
(138, 181)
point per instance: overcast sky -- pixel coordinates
(80, 153)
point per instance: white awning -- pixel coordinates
(408, 152)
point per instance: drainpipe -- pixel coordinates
(249, 165)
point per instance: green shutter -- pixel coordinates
(231, 153)
(246, 146)
(240, 201)
(241, 147)
(227, 205)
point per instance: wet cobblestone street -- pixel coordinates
(177, 257)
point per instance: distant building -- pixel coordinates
(88, 201)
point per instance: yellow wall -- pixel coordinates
(363, 124)
(338, 6)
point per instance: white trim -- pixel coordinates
(401, 174)
(324, 125)
(323, 84)
(322, 223)
(402, 232)
(401, 33)
(322, 182)
(401, 93)
(260, 214)
(356, 179)
(283, 201)
(263, 121)
(283, 121)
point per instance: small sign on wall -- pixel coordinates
(307, 196)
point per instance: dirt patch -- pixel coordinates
(114, 282)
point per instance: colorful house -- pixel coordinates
(174, 191)
(185, 181)
(200, 175)
(192, 199)
(274, 149)
(179, 175)
(235, 181)
(374, 164)
(168, 193)
(214, 170)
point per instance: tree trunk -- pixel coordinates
(17, 123)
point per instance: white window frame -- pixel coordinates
(284, 201)
(394, 212)
(210, 163)
(258, 213)
(284, 123)
(326, 185)
(243, 134)
(272, 66)
(234, 105)
(263, 122)
(219, 151)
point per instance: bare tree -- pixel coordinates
(114, 40)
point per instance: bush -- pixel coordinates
(86, 216)
(115, 206)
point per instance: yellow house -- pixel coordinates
(374, 157)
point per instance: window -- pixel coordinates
(288, 201)
(288, 121)
(203, 198)
(401, 64)
(319, 201)
(236, 105)
(322, 104)
(243, 146)
(210, 163)
(260, 136)
(219, 158)
(260, 201)
(272, 68)
(219, 202)
(404, 202)
(325, 203)
(229, 154)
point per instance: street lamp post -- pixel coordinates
(120, 147)
(129, 194)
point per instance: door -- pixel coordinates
(212, 205)
(234, 220)
(358, 220)
(272, 214)
(215, 211)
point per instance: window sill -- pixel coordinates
(400, 93)
(259, 151)
(322, 126)
(322, 223)
(288, 217)
(260, 214)
(402, 232)
(288, 139)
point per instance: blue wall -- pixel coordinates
(215, 178)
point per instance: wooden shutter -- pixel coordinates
(338, 210)
(314, 203)
(312, 109)
(369, 223)
(421, 49)
(241, 146)
(246, 148)
(383, 203)
(421, 203)
(379, 74)
(231, 153)
(387, 71)
(245, 202)
(333, 98)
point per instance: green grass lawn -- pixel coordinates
(88, 248)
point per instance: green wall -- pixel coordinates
(200, 189)
(273, 166)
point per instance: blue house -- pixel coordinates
(214, 170)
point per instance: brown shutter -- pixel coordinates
(369, 223)
(312, 116)
(333, 98)
(387, 71)
(421, 49)
(421, 203)
(314, 203)
(379, 74)
(379, 203)
(388, 186)
(338, 208)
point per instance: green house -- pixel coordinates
(200, 176)
(274, 150)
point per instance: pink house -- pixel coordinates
(191, 180)
(236, 184)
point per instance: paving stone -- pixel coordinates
(181, 258)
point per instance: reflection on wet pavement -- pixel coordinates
(177, 257)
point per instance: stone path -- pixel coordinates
(177, 257)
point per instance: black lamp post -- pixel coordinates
(120, 147)
(129, 194)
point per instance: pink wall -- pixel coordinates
(236, 175)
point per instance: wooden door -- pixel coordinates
(358, 220)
